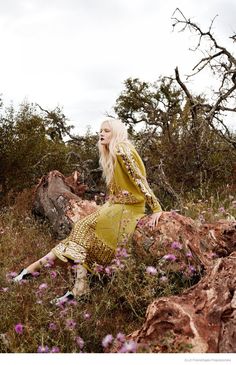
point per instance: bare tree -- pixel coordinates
(222, 64)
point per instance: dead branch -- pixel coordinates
(218, 60)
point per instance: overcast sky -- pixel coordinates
(77, 53)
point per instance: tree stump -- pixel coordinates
(59, 200)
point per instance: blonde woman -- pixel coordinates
(95, 238)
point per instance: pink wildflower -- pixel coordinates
(163, 279)
(43, 286)
(129, 346)
(109, 270)
(191, 269)
(107, 340)
(176, 245)
(87, 315)
(70, 324)
(55, 350)
(11, 275)
(151, 270)
(98, 268)
(169, 257)
(189, 254)
(80, 342)
(120, 337)
(121, 252)
(19, 328)
(43, 349)
(4, 290)
(52, 326)
(35, 274)
(53, 274)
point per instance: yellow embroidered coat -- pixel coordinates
(94, 239)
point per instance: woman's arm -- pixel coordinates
(133, 166)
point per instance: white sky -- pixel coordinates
(77, 53)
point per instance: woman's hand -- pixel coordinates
(154, 219)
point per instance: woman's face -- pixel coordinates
(105, 134)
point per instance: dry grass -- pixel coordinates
(118, 302)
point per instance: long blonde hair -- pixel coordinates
(107, 154)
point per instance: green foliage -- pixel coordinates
(184, 154)
(30, 146)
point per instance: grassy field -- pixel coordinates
(119, 297)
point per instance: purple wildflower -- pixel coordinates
(98, 268)
(35, 274)
(120, 337)
(169, 257)
(129, 346)
(4, 290)
(80, 342)
(176, 245)
(19, 328)
(107, 340)
(192, 269)
(121, 252)
(87, 315)
(52, 326)
(11, 275)
(118, 264)
(109, 270)
(163, 279)
(189, 254)
(222, 209)
(43, 286)
(70, 324)
(55, 349)
(53, 274)
(43, 349)
(151, 270)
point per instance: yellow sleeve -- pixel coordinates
(134, 168)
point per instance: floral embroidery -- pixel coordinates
(126, 154)
(120, 196)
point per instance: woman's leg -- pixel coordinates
(37, 265)
(81, 285)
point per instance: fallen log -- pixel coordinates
(202, 319)
(59, 200)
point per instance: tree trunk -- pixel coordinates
(58, 199)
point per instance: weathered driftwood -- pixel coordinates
(203, 319)
(200, 242)
(58, 199)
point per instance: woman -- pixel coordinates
(94, 239)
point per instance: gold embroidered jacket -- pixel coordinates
(129, 184)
